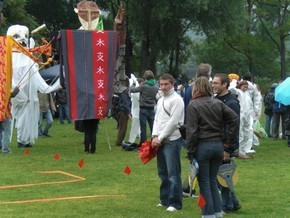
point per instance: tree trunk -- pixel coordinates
(128, 56)
(282, 56)
(177, 58)
(146, 40)
(170, 70)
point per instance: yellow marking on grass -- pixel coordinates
(77, 179)
(60, 199)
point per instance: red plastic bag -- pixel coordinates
(147, 152)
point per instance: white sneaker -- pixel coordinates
(251, 152)
(171, 209)
(159, 205)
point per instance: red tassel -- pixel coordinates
(201, 202)
(27, 152)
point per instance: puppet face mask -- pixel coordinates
(88, 13)
(19, 33)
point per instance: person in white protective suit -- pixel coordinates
(135, 110)
(256, 108)
(246, 119)
(25, 106)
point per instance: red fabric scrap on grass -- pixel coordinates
(127, 170)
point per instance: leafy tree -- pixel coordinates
(274, 16)
(56, 14)
(14, 13)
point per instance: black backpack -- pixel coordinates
(269, 100)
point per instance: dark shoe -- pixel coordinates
(20, 145)
(245, 157)
(226, 211)
(47, 135)
(236, 207)
(118, 144)
(7, 152)
(28, 145)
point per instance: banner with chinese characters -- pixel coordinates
(89, 59)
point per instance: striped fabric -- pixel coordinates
(6, 43)
(89, 59)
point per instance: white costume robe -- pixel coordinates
(25, 106)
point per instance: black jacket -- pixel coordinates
(232, 102)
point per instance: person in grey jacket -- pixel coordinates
(147, 101)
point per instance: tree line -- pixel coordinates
(237, 36)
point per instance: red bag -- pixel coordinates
(147, 152)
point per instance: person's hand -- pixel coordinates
(15, 91)
(227, 156)
(129, 116)
(155, 142)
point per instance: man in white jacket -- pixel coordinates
(166, 136)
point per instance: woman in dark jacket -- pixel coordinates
(205, 121)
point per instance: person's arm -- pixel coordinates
(232, 119)
(136, 89)
(192, 130)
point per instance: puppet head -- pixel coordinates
(19, 33)
(88, 13)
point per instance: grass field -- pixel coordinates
(101, 188)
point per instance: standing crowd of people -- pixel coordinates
(219, 112)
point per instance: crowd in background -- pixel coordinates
(222, 115)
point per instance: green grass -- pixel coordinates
(263, 187)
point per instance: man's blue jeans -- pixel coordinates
(169, 171)
(48, 117)
(268, 125)
(144, 116)
(209, 155)
(63, 113)
(229, 199)
(5, 135)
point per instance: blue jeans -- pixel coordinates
(169, 171)
(229, 200)
(5, 135)
(209, 155)
(63, 113)
(48, 117)
(144, 116)
(268, 125)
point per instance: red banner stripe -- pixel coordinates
(72, 80)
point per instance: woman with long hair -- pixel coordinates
(206, 117)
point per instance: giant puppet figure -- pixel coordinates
(25, 106)
(88, 57)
